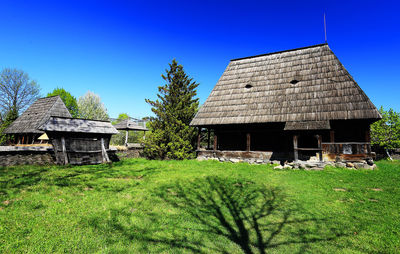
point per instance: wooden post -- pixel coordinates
(215, 141)
(104, 152)
(126, 137)
(319, 137)
(144, 135)
(208, 138)
(199, 139)
(296, 152)
(64, 150)
(248, 140)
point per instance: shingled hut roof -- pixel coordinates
(37, 114)
(303, 87)
(66, 124)
(127, 124)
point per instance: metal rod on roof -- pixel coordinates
(326, 40)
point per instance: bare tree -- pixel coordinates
(17, 91)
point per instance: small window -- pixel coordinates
(248, 86)
(294, 82)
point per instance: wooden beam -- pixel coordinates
(64, 151)
(104, 152)
(296, 152)
(332, 134)
(248, 140)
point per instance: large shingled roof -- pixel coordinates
(37, 114)
(299, 86)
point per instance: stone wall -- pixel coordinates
(34, 155)
(12, 157)
(131, 153)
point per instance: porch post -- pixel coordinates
(368, 139)
(215, 141)
(248, 138)
(64, 150)
(199, 139)
(332, 146)
(332, 134)
(126, 137)
(296, 152)
(208, 138)
(319, 137)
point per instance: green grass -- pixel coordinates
(140, 206)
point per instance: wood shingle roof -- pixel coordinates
(127, 124)
(37, 114)
(64, 124)
(300, 85)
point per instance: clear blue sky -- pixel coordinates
(119, 49)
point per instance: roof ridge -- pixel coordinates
(106, 121)
(282, 51)
(47, 97)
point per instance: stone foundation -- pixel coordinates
(281, 160)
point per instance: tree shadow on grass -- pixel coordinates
(221, 210)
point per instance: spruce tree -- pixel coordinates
(170, 135)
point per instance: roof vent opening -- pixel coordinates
(294, 81)
(248, 86)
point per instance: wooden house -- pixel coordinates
(79, 141)
(24, 129)
(289, 105)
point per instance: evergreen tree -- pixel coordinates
(68, 99)
(170, 135)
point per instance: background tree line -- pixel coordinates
(170, 136)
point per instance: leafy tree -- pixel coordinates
(170, 135)
(17, 91)
(68, 99)
(386, 132)
(121, 117)
(91, 107)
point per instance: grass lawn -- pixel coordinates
(140, 206)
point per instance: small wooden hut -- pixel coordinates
(79, 141)
(25, 128)
(129, 125)
(289, 105)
